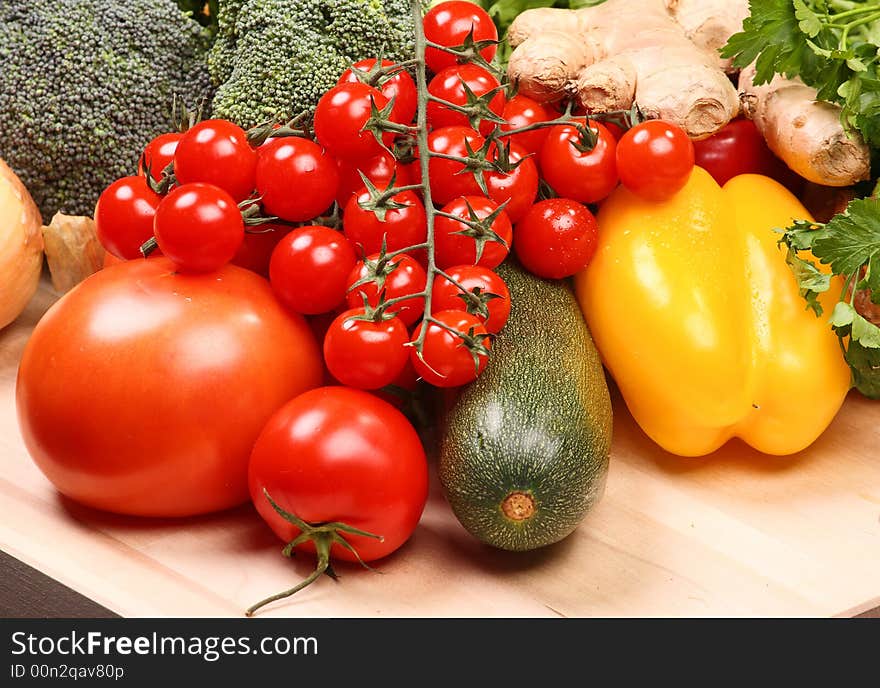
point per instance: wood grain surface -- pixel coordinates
(735, 534)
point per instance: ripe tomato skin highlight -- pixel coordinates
(143, 390)
(521, 111)
(519, 187)
(446, 182)
(158, 154)
(400, 87)
(446, 296)
(292, 163)
(450, 85)
(402, 227)
(124, 216)
(407, 277)
(447, 361)
(217, 152)
(451, 248)
(379, 169)
(586, 177)
(365, 354)
(340, 454)
(655, 160)
(340, 116)
(557, 238)
(449, 23)
(309, 268)
(199, 227)
(739, 148)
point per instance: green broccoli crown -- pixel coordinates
(275, 58)
(85, 85)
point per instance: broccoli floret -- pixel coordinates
(85, 85)
(275, 58)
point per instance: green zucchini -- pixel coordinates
(524, 452)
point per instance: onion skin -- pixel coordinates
(21, 246)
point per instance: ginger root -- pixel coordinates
(710, 23)
(617, 53)
(804, 132)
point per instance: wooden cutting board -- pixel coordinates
(735, 534)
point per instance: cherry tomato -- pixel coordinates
(309, 269)
(340, 117)
(365, 354)
(447, 179)
(449, 23)
(288, 163)
(256, 249)
(143, 390)
(446, 360)
(158, 154)
(521, 111)
(451, 84)
(217, 152)
(398, 276)
(199, 227)
(401, 227)
(519, 187)
(340, 454)
(739, 148)
(588, 176)
(655, 160)
(478, 281)
(452, 248)
(124, 216)
(557, 238)
(398, 86)
(378, 169)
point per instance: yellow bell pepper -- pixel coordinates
(699, 320)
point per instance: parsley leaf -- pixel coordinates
(851, 240)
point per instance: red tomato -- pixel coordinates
(290, 163)
(143, 390)
(557, 238)
(449, 23)
(124, 216)
(521, 111)
(451, 85)
(309, 268)
(341, 455)
(739, 148)
(158, 154)
(452, 248)
(479, 282)
(446, 360)
(199, 227)
(519, 187)
(378, 169)
(365, 354)
(446, 176)
(340, 117)
(655, 160)
(397, 277)
(402, 227)
(256, 249)
(398, 86)
(587, 177)
(217, 152)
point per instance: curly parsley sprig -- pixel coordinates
(832, 45)
(850, 245)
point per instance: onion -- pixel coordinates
(21, 246)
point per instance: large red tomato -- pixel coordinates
(142, 391)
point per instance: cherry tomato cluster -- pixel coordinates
(335, 213)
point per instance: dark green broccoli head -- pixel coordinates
(275, 58)
(85, 85)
